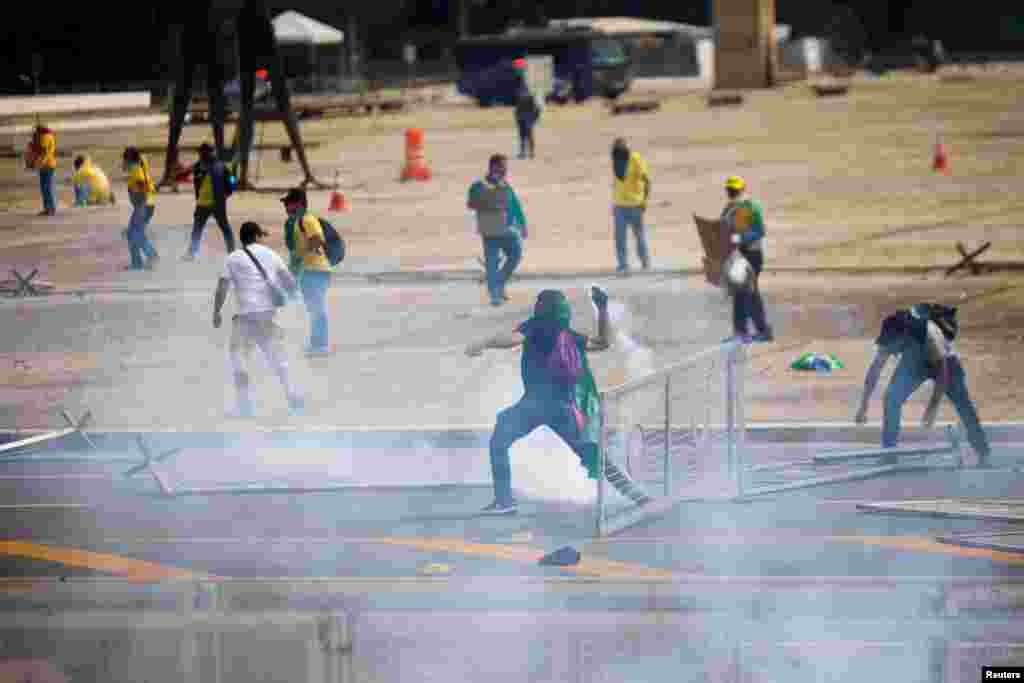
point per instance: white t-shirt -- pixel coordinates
(251, 290)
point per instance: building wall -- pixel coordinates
(744, 47)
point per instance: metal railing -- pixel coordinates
(697, 406)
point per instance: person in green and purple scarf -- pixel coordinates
(571, 408)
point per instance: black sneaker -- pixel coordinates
(762, 337)
(500, 508)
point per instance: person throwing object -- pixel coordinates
(560, 393)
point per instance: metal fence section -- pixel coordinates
(678, 432)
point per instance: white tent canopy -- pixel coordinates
(293, 28)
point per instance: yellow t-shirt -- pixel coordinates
(311, 260)
(630, 190)
(95, 179)
(206, 192)
(141, 181)
(47, 151)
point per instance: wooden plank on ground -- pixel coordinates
(997, 509)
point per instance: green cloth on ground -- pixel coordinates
(806, 361)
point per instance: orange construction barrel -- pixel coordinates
(415, 162)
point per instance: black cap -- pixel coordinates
(250, 231)
(296, 194)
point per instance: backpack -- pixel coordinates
(940, 314)
(334, 245)
(563, 362)
(914, 322)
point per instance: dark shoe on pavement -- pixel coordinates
(599, 296)
(740, 338)
(762, 337)
(497, 302)
(500, 507)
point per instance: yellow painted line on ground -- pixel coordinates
(132, 569)
(519, 553)
(923, 544)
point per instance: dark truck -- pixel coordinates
(586, 63)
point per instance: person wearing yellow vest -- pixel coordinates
(92, 187)
(746, 222)
(142, 195)
(42, 156)
(209, 177)
(632, 189)
(304, 237)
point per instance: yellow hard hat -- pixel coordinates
(734, 182)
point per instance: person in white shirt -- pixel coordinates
(254, 324)
(926, 353)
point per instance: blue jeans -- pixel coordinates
(496, 279)
(82, 192)
(314, 284)
(626, 216)
(518, 421)
(46, 187)
(747, 303)
(138, 243)
(911, 372)
(531, 412)
(201, 216)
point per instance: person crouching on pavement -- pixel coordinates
(560, 393)
(91, 185)
(142, 195)
(501, 224)
(746, 223)
(926, 353)
(251, 270)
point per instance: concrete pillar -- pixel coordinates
(744, 43)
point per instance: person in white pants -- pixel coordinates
(254, 324)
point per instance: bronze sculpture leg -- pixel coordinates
(182, 96)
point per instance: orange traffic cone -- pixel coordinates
(415, 163)
(940, 162)
(338, 202)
